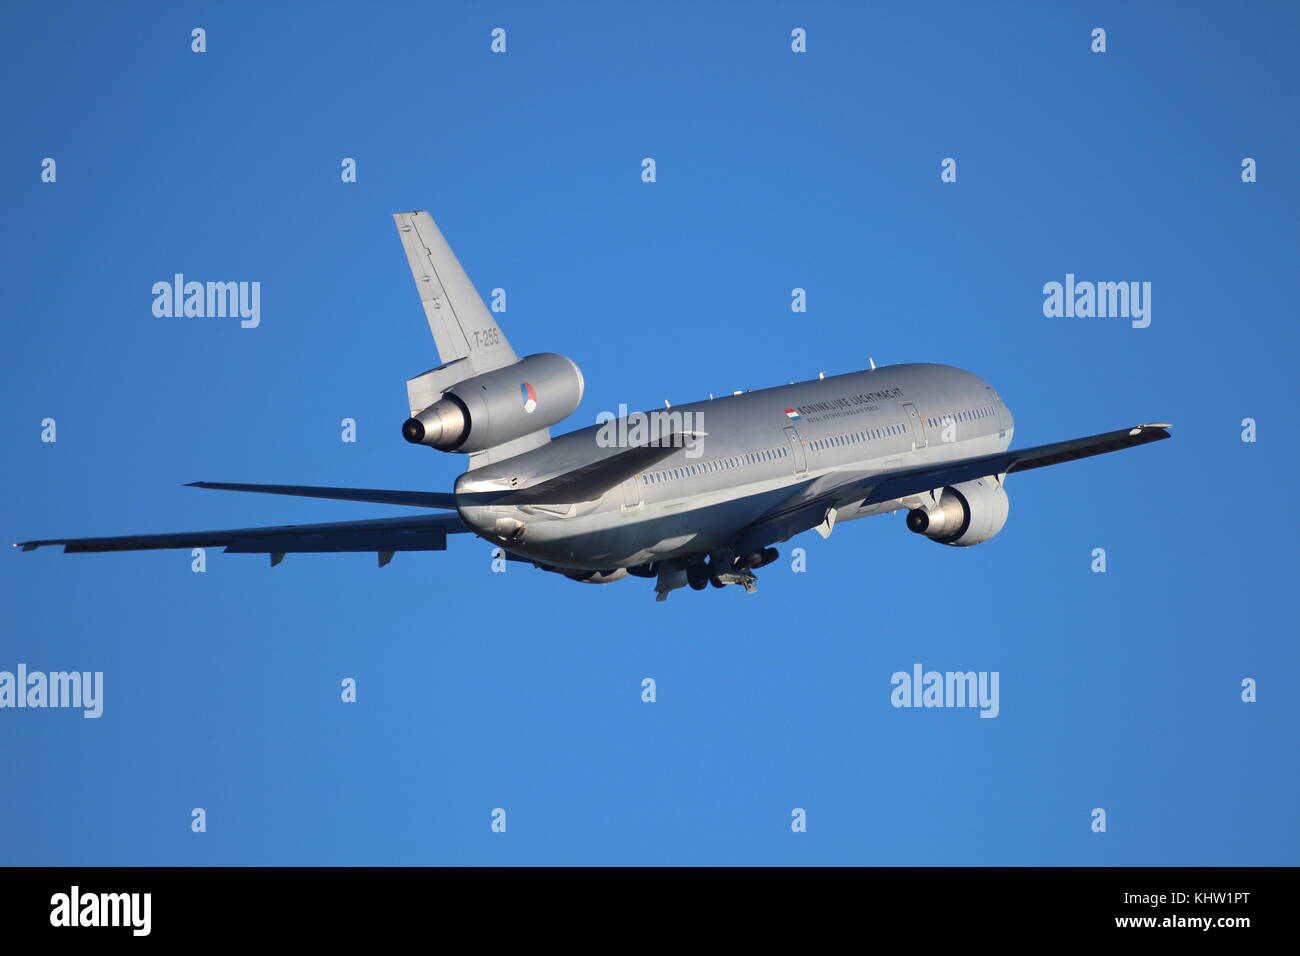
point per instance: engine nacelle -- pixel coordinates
(499, 406)
(966, 514)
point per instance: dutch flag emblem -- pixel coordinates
(791, 414)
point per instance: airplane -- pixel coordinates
(690, 496)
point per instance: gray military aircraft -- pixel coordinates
(692, 495)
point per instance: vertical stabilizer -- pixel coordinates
(461, 324)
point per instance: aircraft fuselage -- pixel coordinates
(752, 452)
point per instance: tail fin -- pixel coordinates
(461, 324)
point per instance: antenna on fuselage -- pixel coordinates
(820, 376)
(873, 363)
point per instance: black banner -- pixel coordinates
(1173, 905)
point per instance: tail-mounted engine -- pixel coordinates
(966, 514)
(499, 406)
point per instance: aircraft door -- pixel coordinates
(796, 449)
(1000, 409)
(632, 492)
(916, 426)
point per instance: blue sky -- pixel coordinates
(775, 170)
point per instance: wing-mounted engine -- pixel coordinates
(965, 514)
(487, 410)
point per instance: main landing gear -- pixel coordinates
(717, 568)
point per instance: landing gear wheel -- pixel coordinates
(717, 568)
(697, 576)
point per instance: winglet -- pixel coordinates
(1139, 429)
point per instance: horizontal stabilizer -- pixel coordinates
(418, 499)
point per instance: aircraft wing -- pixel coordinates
(809, 507)
(584, 483)
(591, 481)
(916, 480)
(381, 535)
